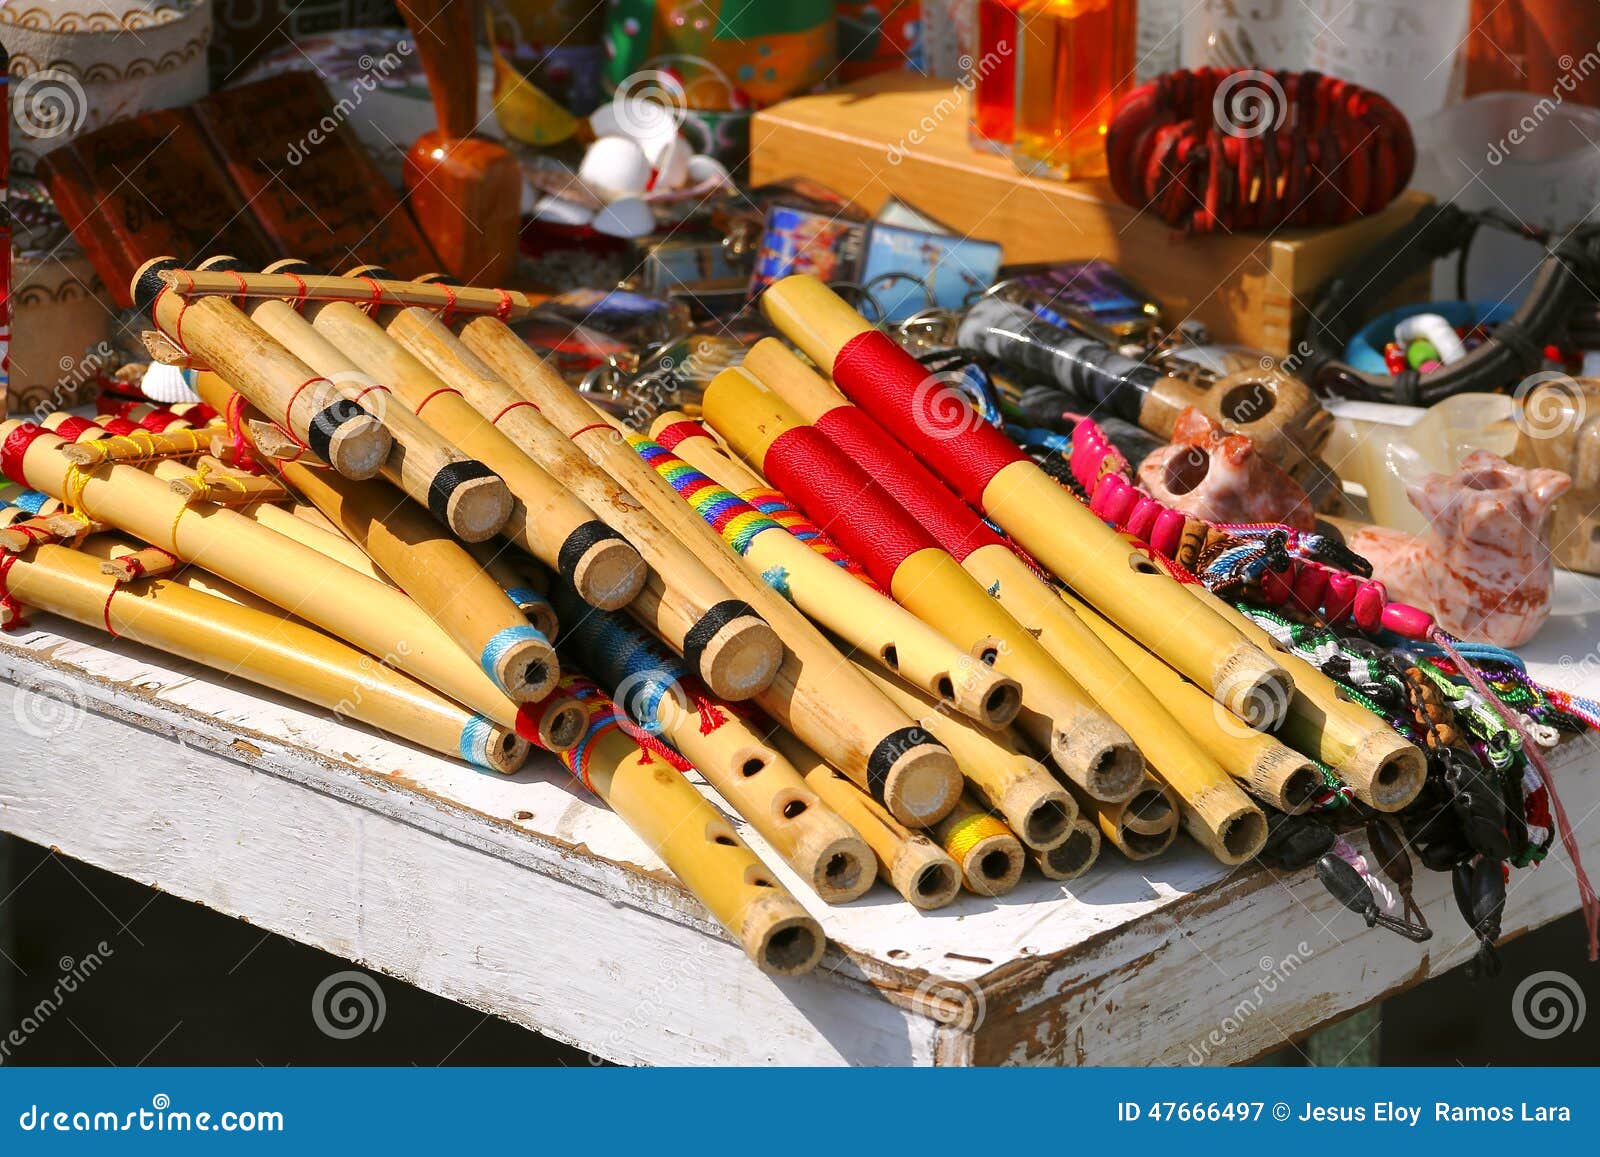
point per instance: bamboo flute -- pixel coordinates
(1271, 771)
(815, 692)
(987, 470)
(496, 560)
(270, 650)
(864, 618)
(903, 557)
(689, 602)
(911, 863)
(86, 433)
(507, 304)
(681, 826)
(1074, 856)
(694, 443)
(323, 416)
(143, 446)
(1032, 802)
(432, 568)
(652, 687)
(1384, 770)
(1121, 824)
(461, 492)
(990, 856)
(362, 611)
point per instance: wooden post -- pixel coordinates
(653, 688)
(908, 860)
(900, 553)
(677, 823)
(324, 417)
(981, 465)
(271, 650)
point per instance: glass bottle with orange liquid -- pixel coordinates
(992, 75)
(1075, 59)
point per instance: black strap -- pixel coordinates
(444, 484)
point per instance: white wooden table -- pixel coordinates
(524, 897)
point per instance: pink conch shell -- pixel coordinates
(1485, 568)
(1220, 477)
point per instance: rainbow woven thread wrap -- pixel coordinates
(603, 718)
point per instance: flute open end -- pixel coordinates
(1073, 856)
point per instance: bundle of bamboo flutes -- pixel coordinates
(382, 469)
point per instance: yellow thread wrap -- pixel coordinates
(970, 832)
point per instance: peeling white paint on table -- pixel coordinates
(524, 897)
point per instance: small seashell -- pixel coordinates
(615, 166)
(168, 384)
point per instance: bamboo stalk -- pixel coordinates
(436, 572)
(990, 855)
(528, 594)
(653, 688)
(552, 524)
(814, 693)
(325, 417)
(1051, 524)
(508, 304)
(1035, 806)
(140, 563)
(1384, 770)
(216, 482)
(269, 650)
(143, 446)
(1057, 712)
(908, 860)
(363, 612)
(857, 613)
(677, 823)
(1075, 855)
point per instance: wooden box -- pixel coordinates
(906, 136)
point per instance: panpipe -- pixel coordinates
(1037, 808)
(369, 292)
(991, 857)
(676, 822)
(936, 424)
(463, 493)
(365, 613)
(911, 863)
(430, 566)
(904, 558)
(653, 688)
(321, 417)
(270, 650)
(828, 595)
(814, 692)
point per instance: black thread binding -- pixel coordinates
(326, 424)
(585, 536)
(444, 484)
(700, 635)
(888, 752)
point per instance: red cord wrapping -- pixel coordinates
(1210, 149)
(8, 601)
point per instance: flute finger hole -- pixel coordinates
(890, 657)
(721, 835)
(794, 809)
(752, 766)
(756, 879)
